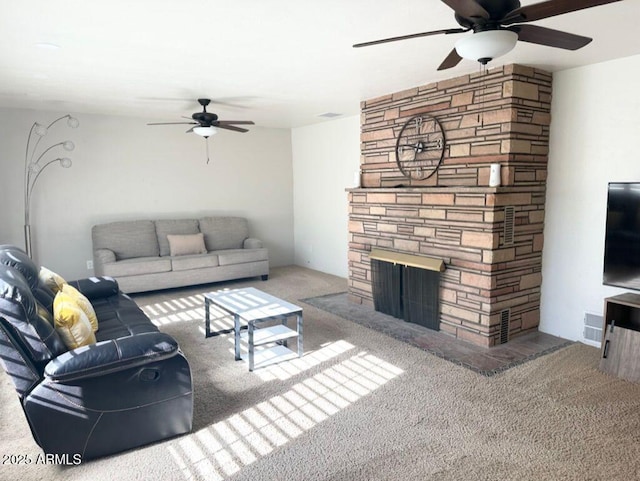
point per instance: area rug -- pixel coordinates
(361, 406)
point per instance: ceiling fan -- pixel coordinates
(206, 123)
(498, 24)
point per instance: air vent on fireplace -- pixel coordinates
(505, 316)
(509, 225)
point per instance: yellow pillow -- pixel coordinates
(71, 322)
(83, 303)
(50, 279)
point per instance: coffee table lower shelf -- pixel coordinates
(271, 355)
(265, 335)
(265, 356)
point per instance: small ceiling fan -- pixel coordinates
(497, 26)
(206, 123)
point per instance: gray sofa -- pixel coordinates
(138, 253)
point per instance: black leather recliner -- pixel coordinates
(131, 388)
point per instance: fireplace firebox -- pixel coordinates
(407, 287)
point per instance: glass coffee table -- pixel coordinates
(255, 307)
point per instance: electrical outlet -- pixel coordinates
(89, 264)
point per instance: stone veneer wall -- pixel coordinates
(492, 282)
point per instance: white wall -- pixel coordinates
(325, 158)
(594, 135)
(124, 169)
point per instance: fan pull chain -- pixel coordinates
(480, 74)
(207, 142)
(483, 88)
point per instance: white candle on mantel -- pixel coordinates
(356, 178)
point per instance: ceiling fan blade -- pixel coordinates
(467, 8)
(550, 8)
(231, 127)
(190, 130)
(452, 60)
(232, 102)
(172, 123)
(549, 37)
(239, 122)
(229, 102)
(413, 35)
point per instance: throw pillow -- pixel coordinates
(83, 303)
(50, 279)
(71, 323)
(180, 245)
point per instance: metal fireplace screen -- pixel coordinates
(406, 292)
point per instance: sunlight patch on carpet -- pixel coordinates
(189, 308)
(223, 449)
(182, 309)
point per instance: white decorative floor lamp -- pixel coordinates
(33, 168)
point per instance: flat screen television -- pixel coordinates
(622, 236)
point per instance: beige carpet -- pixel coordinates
(363, 406)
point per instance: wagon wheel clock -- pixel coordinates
(420, 147)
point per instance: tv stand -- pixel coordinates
(621, 341)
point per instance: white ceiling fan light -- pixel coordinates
(205, 131)
(486, 45)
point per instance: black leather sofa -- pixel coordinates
(131, 388)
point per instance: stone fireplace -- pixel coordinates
(489, 238)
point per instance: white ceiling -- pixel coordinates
(280, 63)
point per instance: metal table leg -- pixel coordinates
(251, 346)
(284, 342)
(236, 330)
(207, 318)
(299, 327)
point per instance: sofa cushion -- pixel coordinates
(165, 227)
(127, 239)
(120, 316)
(185, 245)
(21, 262)
(224, 232)
(241, 256)
(142, 265)
(185, 263)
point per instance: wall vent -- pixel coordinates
(592, 327)
(505, 316)
(509, 224)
